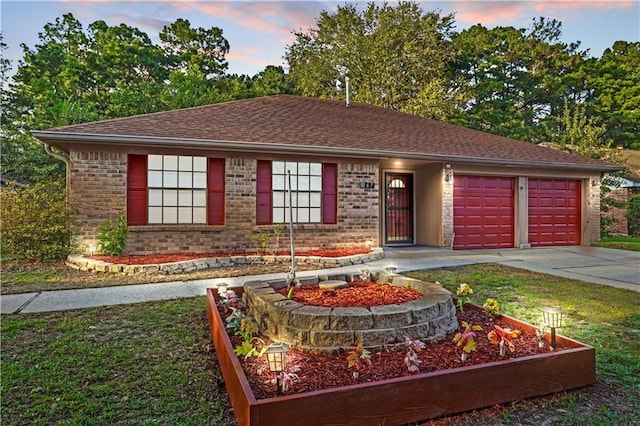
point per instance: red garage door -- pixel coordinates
(554, 212)
(483, 212)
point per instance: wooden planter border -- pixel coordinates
(406, 399)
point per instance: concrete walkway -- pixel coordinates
(615, 268)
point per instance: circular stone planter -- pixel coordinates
(324, 329)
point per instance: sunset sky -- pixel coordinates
(258, 31)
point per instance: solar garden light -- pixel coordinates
(390, 269)
(222, 288)
(277, 357)
(552, 318)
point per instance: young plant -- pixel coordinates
(277, 231)
(491, 308)
(247, 348)
(411, 358)
(228, 299)
(540, 333)
(112, 239)
(503, 337)
(357, 359)
(365, 274)
(466, 339)
(234, 321)
(260, 241)
(285, 380)
(463, 293)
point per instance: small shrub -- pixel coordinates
(357, 359)
(286, 380)
(36, 222)
(463, 293)
(491, 308)
(503, 337)
(466, 339)
(261, 241)
(633, 215)
(411, 359)
(112, 239)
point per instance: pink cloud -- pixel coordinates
(251, 57)
(576, 5)
(490, 13)
(269, 17)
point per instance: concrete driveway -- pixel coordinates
(615, 268)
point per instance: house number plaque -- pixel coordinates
(367, 185)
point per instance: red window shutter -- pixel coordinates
(215, 192)
(264, 210)
(329, 193)
(137, 190)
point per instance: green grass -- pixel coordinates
(620, 242)
(149, 363)
(153, 363)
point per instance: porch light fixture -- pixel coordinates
(277, 357)
(448, 173)
(552, 318)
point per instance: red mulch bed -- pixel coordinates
(363, 294)
(154, 259)
(321, 371)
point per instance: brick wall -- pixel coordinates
(592, 223)
(99, 181)
(447, 210)
(98, 190)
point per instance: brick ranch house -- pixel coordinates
(204, 179)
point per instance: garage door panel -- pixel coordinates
(483, 212)
(554, 212)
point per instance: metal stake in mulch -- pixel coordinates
(292, 281)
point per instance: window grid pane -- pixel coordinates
(177, 189)
(306, 187)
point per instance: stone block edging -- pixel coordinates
(78, 261)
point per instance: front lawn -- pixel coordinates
(153, 362)
(620, 242)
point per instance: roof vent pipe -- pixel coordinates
(346, 80)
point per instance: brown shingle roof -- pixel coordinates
(295, 123)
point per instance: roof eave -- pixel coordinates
(58, 138)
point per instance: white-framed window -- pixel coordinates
(177, 188)
(306, 191)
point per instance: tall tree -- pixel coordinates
(271, 81)
(73, 75)
(514, 79)
(614, 96)
(395, 57)
(196, 61)
(195, 51)
(126, 70)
